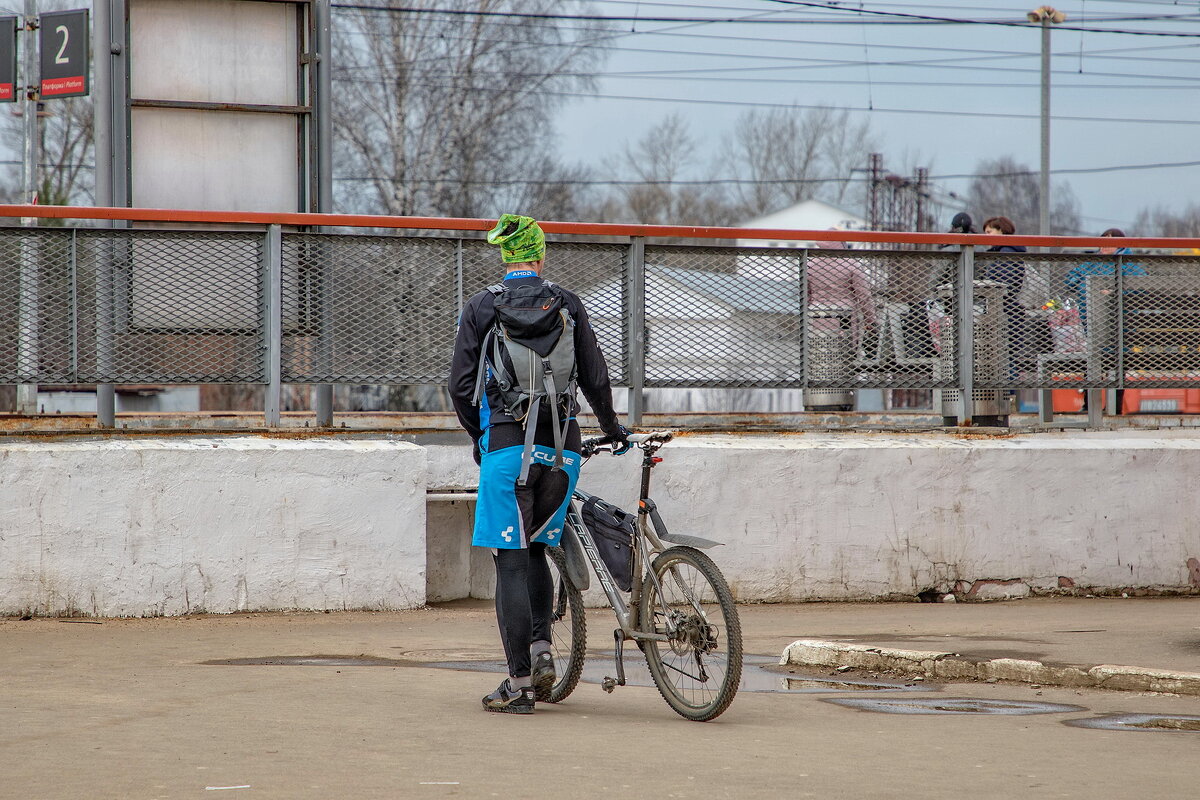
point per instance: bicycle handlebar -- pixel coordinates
(604, 444)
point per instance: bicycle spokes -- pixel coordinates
(698, 667)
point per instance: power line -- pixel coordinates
(818, 81)
(833, 63)
(926, 18)
(997, 55)
(753, 104)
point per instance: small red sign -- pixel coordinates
(6, 92)
(52, 87)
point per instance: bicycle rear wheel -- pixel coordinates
(698, 669)
(568, 631)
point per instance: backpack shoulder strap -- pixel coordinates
(481, 375)
(485, 361)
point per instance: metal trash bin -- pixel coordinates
(830, 358)
(987, 406)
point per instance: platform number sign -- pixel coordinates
(8, 59)
(64, 39)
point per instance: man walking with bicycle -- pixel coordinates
(523, 346)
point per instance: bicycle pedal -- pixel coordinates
(608, 684)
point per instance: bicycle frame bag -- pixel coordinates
(532, 358)
(612, 530)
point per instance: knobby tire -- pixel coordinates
(714, 637)
(568, 631)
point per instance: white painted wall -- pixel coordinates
(857, 516)
(170, 526)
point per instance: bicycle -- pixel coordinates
(680, 611)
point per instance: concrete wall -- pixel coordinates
(168, 526)
(859, 516)
(171, 526)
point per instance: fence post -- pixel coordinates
(966, 334)
(273, 323)
(323, 392)
(635, 296)
(73, 299)
(458, 280)
(112, 187)
(804, 322)
(323, 110)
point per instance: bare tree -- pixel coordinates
(1161, 221)
(1005, 187)
(66, 138)
(794, 154)
(659, 173)
(68, 172)
(452, 114)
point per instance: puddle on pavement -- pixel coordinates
(951, 705)
(1140, 722)
(759, 674)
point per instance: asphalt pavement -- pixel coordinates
(365, 705)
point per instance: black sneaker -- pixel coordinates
(507, 701)
(543, 676)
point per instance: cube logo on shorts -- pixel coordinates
(548, 458)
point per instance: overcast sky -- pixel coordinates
(1139, 92)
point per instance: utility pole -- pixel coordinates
(1045, 15)
(28, 317)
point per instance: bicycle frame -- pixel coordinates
(650, 533)
(626, 611)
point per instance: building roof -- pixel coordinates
(739, 292)
(809, 215)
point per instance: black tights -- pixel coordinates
(524, 594)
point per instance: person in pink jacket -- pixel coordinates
(836, 281)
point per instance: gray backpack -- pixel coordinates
(535, 330)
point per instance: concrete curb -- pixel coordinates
(955, 667)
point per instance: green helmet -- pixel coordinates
(520, 239)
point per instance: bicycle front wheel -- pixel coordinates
(568, 631)
(698, 668)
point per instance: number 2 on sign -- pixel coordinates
(60, 58)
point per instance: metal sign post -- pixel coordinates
(27, 306)
(8, 59)
(65, 53)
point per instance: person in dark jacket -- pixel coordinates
(962, 223)
(517, 522)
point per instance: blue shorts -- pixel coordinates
(504, 520)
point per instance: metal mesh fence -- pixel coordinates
(169, 307)
(368, 309)
(902, 324)
(152, 306)
(36, 291)
(1095, 320)
(384, 309)
(720, 316)
(755, 317)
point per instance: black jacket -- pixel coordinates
(478, 318)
